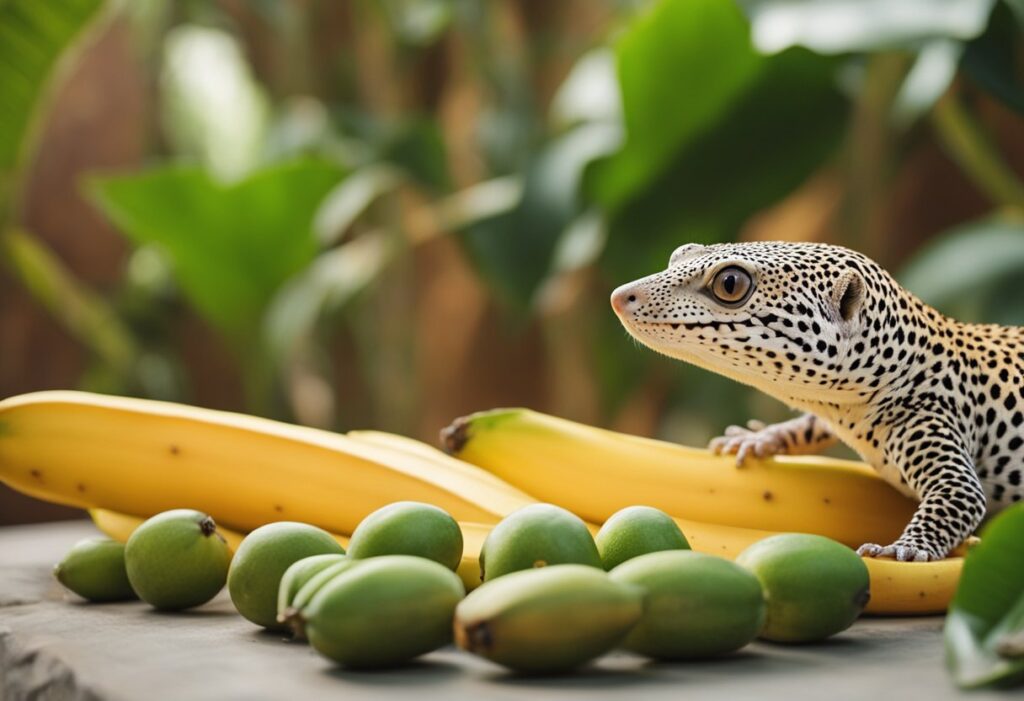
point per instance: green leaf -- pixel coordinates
(844, 26)
(680, 65)
(988, 608)
(514, 251)
(327, 284)
(417, 146)
(419, 22)
(993, 60)
(213, 107)
(231, 245)
(590, 92)
(33, 37)
(78, 309)
(928, 79)
(748, 159)
(966, 262)
(351, 198)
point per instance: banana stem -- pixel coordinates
(968, 144)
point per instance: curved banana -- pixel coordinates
(140, 456)
(594, 473)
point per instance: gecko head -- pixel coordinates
(789, 318)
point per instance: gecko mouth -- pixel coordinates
(675, 325)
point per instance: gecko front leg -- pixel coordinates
(937, 466)
(802, 435)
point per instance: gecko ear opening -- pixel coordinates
(849, 295)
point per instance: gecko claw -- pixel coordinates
(901, 552)
(756, 440)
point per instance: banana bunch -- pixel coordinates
(142, 457)
(128, 459)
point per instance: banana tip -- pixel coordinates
(473, 637)
(292, 618)
(208, 526)
(455, 436)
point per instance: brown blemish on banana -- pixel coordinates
(80, 487)
(174, 450)
(36, 473)
(768, 496)
(278, 508)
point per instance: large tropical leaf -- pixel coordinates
(994, 59)
(958, 271)
(515, 250)
(231, 245)
(841, 26)
(681, 65)
(985, 625)
(33, 37)
(750, 157)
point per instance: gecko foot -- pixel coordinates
(756, 439)
(901, 552)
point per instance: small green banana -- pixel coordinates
(549, 619)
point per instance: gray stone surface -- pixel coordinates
(53, 646)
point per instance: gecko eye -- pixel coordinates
(732, 285)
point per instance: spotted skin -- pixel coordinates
(934, 405)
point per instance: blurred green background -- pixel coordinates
(356, 213)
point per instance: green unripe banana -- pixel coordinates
(409, 528)
(94, 569)
(547, 620)
(384, 611)
(697, 605)
(177, 560)
(291, 613)
(254, 579)
(536, 536)
(814, 587)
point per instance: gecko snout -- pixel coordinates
(627, 299)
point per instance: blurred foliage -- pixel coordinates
(33, 36)
(984, 631)
(289, 183)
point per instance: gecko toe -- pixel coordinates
(869, 550)
(906, 553)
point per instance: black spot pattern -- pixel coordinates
(936, 406)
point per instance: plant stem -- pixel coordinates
(968, 144)
(87, 317)
(870, 153)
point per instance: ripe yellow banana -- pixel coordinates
(144, 457)
(897, 588)
(594, 473)
(411, 446)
